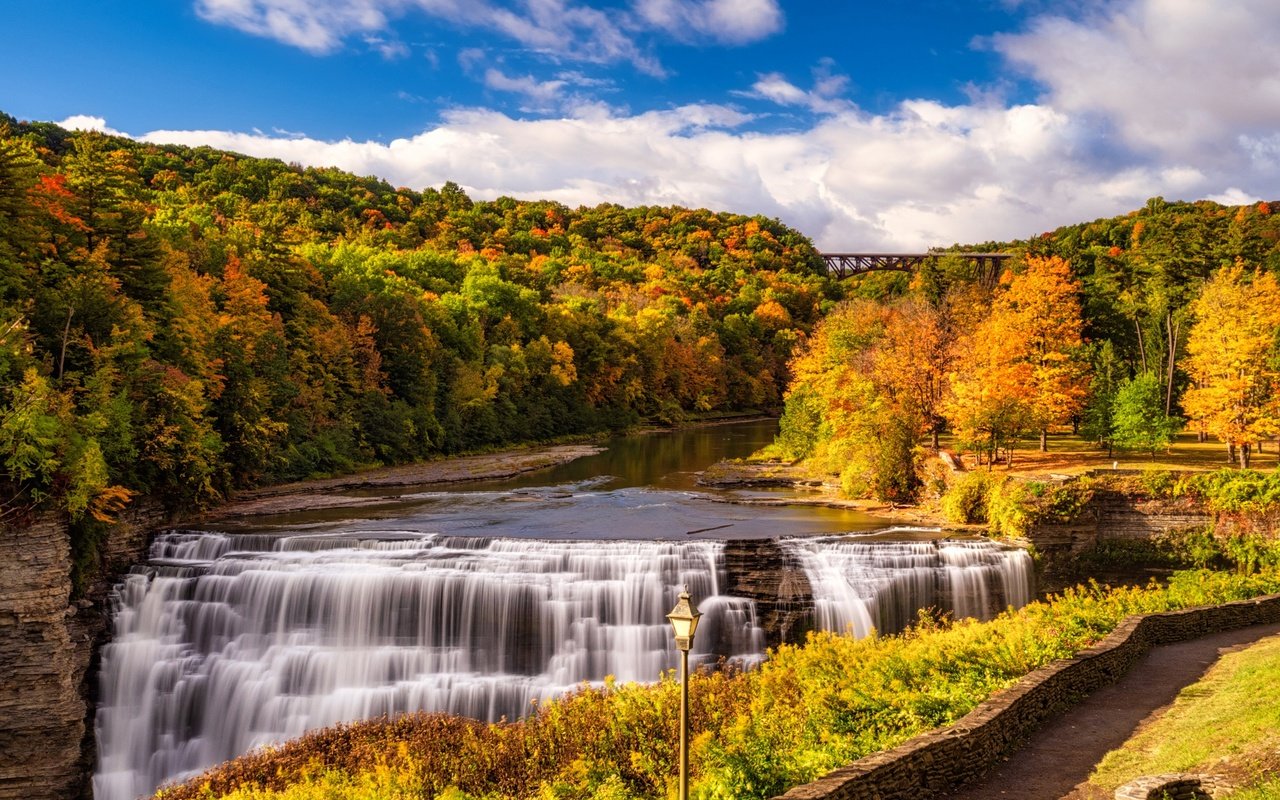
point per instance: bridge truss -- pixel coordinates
(844, 265)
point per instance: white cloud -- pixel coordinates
(1141, 97)
(1234, 196)
(926, 174)
(724, 21)
(560, 29)
(315, 26)
(390, 49)
(1177, 76)
(823, 98)
(84, 122)
(540, 94)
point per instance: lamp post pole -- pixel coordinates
(684, 621)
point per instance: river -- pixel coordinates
(480, 599)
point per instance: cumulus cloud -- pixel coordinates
(1177, 76)
(925, 174)
(84, 122)
(1140, 98)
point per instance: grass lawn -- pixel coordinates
(1069, 454)
(1227, 724)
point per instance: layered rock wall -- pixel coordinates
(761, 571)
(42, 713)
(48, 644)
(1109, 516)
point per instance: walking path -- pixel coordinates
(1057, 759)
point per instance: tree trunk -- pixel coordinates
(1231, 453)
(1173, 354)
(66, 331)
(1244, 456)
(1044, 440)
(1142, 347)
(935, 438)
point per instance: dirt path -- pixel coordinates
(1055, 762)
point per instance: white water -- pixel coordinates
(225, 643)
(860, 586)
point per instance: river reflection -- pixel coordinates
(640, 487)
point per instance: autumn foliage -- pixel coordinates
(183, 322)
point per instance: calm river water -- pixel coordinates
(640, 487)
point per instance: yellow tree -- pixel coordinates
(1232, 359)
(912, 361)
(1040, 311)
(989, 404)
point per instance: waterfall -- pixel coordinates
(223, 643)
(226, 642)
(859, 585)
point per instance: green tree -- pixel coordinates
(1099, 411)
(1138, 417)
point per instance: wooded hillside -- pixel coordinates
(180, 321)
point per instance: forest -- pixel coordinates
(180, 323)
(1128, 330)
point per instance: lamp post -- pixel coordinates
(684, 621)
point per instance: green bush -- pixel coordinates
(1159, 483)
(1010, 511)
(1237, 491)
(966, 501)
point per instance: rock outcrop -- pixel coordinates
(761, 570)
(48, 645)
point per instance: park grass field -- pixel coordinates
(1070, 454)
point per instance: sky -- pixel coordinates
(869, 126)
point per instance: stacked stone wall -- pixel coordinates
(1110, 516)
(934, 763)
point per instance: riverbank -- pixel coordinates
(810, 491)
(325, 493)
(376, 487)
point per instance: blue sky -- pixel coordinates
(866, 125)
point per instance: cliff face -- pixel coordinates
(42, 712)
(47, 648)
(1109, 517)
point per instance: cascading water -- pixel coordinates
(859, 585)
(223, 643)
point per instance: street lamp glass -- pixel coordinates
(684, 621)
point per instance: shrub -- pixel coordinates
(1009, 508)
(966, 501)
(1237, 491)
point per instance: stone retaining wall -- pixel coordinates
(1177, 786)
(933, 763)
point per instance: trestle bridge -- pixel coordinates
(844, 265)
